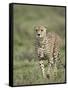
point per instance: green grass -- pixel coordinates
(26, 69)
(28, 72)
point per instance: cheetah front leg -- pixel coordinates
(40, 56)
(48, 71)
(42, 68)
(50, 63)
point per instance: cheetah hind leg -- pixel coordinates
(55, 70)
(55, 67)
(49, 70)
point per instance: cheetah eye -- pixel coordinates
(36, 30)
(41, 29)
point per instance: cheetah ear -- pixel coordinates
(34, 27)
(46, 27)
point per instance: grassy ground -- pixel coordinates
(26, 69)
(29, 72)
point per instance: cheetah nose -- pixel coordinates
(38, 34)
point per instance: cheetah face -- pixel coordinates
(40, 31)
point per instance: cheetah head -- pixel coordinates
(40, 31)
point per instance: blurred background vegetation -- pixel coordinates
(26, 68)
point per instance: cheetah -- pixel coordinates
(47, 45)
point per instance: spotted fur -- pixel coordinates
(47, 45)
